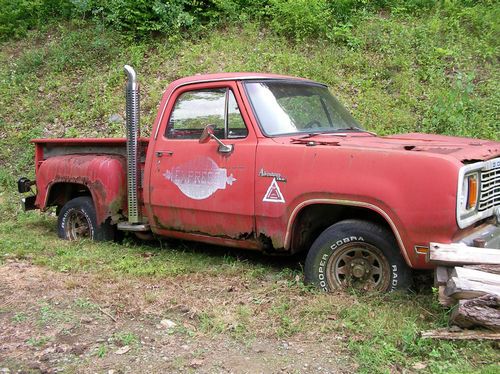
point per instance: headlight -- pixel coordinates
(477, 193)
(469, 194)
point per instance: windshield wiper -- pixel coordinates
(358, 129)
(311, 135)
(336, 132)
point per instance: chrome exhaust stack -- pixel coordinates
(133, 135)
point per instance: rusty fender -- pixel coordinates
(103, 175)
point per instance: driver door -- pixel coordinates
(196, 188)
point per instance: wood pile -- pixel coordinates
(468, 279)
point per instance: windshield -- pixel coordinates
(295, 107)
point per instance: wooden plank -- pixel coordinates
(461, 335)
(459, 288)
(476, 276)
(481, 311)
(493, 269)
(443, 299)
(456, 254)
(441, 276)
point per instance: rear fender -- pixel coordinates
(102, 175)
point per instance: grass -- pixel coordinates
(434, 73)
(101, 351)
(431, 73)
(123, 338)
(127, 259)
(85, 304)
(380, 331)
(38, 341)
(19, 317)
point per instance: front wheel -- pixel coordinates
(356, 254)
(77, 220)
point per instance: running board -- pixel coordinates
(125, 226)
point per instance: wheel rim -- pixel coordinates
(78, 225)
(358, 265)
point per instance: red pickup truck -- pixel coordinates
(276, 164)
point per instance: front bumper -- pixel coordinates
(487, 236)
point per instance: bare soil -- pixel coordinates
(92, 323)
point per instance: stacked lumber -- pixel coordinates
(457, 254)
(468, 279)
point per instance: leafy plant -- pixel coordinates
(125, 338)
(101, 351)
(19, 317)
(453, 109)
(38, 341)
(19, 16)
(300, 18)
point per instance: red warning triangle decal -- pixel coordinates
(273, 194)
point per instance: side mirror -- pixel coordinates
(208, 133)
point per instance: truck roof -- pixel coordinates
(233, 76)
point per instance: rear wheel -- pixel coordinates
(77, 220)
(356, 254)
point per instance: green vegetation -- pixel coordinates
(254, 297)
(123, 338)
(19, 317)
(433, 71)
(101, 351)
(38, 341)
(398, 66)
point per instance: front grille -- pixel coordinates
(490, 189)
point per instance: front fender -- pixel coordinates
(103, 175)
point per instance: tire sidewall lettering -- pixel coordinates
(324, 258)
(321, 271)
(394, 277)
(64, 218)
(346, 240)
(87, 217)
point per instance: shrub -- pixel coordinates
(453, 108)
(299, 18)
(18, 16)
(144, 17)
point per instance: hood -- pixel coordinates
(465, 150)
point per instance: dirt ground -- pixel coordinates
(88, 323)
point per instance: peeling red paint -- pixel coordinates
(103, 175)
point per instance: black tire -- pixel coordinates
(77, 220)
(357, 254)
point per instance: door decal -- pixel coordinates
(199, 178)
(273, 194)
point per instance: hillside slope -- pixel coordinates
(437, 72)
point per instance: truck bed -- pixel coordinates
(47, 148)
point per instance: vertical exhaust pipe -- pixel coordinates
(133, 134)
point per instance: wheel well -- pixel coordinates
(314, 219)
(61, 193)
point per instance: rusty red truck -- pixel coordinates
(276, 164)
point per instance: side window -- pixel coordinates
(194, 110)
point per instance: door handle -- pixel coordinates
(162, 153)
